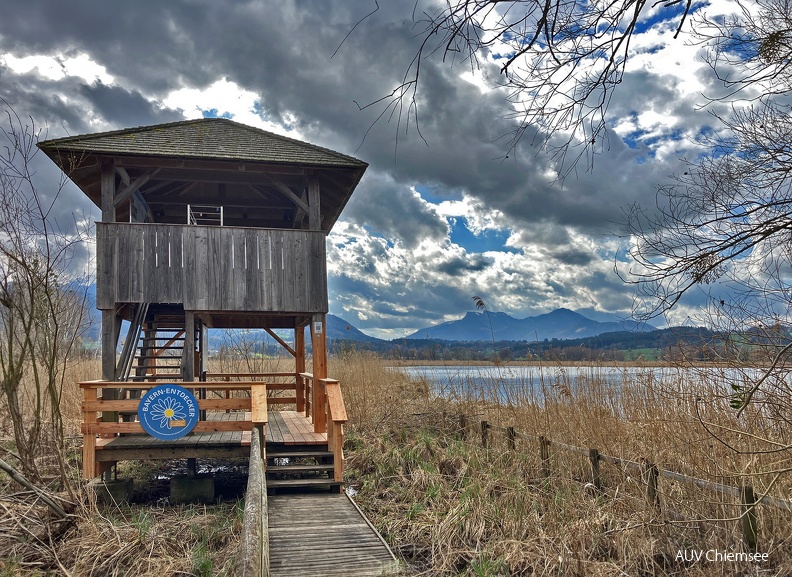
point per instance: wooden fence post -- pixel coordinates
(485, 434)
(511, 437)
(595, 468)
(748, 517)
(650, 474)
(544, 455)
(462, 426)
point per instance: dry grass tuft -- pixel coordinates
(123, 540)
(450, 507)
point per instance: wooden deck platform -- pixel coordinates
(292, 428)
(324, 535)
(283, 428)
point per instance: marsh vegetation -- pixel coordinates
(449, 506)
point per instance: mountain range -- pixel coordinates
(474, 326)
(558, 324)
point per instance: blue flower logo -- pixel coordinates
(167, 409)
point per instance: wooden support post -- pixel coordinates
(314, 207)
(338, 444)
(462, 426)
(203, 346)
(111, 329)
(111, 322)
(188, 353)
(299, 366)
(319, 343)
(544, 455)
(485, 434)
(308, 383)
(650, 474)
(89, 439)
(108, 187)
(594, 457)
(259, 414)
(750, 529)
(511, 438)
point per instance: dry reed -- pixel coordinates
(453, 508)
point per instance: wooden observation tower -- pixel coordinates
(206, 223)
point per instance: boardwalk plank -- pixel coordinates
(323, 534)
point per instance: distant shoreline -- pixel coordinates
(555, 363)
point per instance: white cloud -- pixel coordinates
(224, 98)
(58, 66)
(479, 217)
(391, 257)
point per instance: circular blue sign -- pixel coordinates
(168, 411)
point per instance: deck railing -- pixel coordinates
(276, 381)
(93, 404)
(215, 393)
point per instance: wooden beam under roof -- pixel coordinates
(121, 171)
(288, 192)
(260, 192)
(129, 190)
(187, 164)
(274, 204)
(281, 342)
(212, 176)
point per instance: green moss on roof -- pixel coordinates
(217, 138)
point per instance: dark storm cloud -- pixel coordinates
(30, 95)
(152, 44)
(395, 211)
(282, 52)
(458, 265)
(573, 257)
(125, 108)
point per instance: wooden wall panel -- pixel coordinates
(211, 268)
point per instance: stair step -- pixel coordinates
(155, 348)
(297, 468)
(159, 371)
(328, 482)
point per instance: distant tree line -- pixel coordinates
(677, 343)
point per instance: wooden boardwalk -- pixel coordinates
(324, 534)
(292, 428)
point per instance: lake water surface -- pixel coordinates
(528, 383)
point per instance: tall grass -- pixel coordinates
(452, 507)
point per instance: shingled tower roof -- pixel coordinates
(209, 138)
(214, 150)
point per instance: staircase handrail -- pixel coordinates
(336, 418)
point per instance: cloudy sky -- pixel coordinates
(437, 219)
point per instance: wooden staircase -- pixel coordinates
(160, 350)
(300, 467)
(154, 347)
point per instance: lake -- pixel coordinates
(517, 384)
